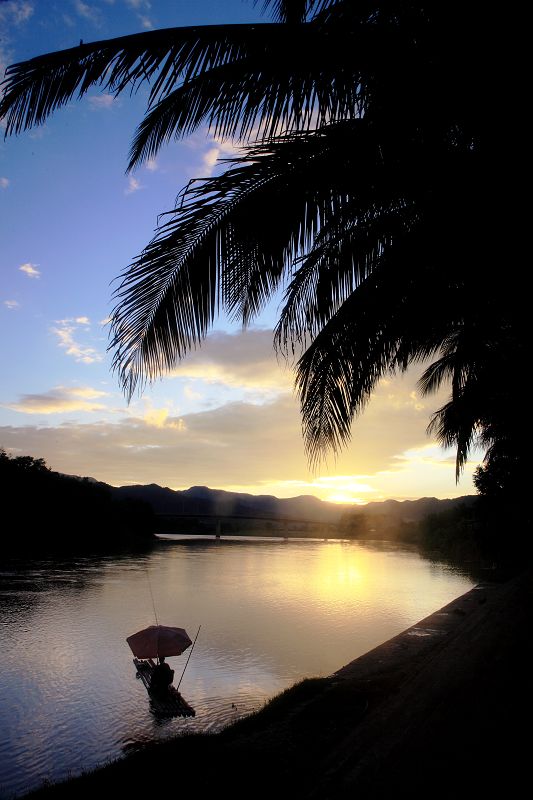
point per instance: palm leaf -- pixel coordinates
(481, 363)
(356, 347)
(344, 253)
(385, 324)
(340, 369)
(293, 11)
(217, 247)
(242, 75)
(215, 243)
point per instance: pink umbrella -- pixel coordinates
(159, 640)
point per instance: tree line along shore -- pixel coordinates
(51, 511)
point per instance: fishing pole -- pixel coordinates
(151, 594)
(190, 654)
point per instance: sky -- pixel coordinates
(71, 221)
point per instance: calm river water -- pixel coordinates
(272, 612)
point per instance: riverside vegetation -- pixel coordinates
(56, 511)
(45, 510)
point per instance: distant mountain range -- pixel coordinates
(200, 500)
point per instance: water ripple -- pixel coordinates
(271, 613)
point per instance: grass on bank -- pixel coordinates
(287, 731)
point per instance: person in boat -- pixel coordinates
(162, 677)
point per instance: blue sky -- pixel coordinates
(71, 221)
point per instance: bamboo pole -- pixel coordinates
(190, 654)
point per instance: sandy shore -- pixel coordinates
(437, 711)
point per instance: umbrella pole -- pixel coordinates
(190, 654)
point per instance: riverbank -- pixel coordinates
(439, 709)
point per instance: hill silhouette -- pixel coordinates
(198, 500)
(201, 500)
(51, 509)
(44, 510)
(453, 527)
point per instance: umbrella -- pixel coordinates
(159, 640)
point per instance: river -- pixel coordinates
(271, 611)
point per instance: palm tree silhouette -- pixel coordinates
(362, 189)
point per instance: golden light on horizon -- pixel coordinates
(346, 498)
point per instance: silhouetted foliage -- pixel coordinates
(504, 475)
(43, 510)
(367, 188)
(502, 483)
(457, 532)
(467, 528)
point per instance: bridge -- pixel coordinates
(318, 528)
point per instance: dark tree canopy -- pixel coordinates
(372, 145)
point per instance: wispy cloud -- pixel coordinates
(151, 165)
(137, 4)
(59, 400)
(13, 14)
(6, 58)
(65, 330)
(82, 320)
(4, 183)
(219, 149)
(16, 11)
(211, 149)
(141, 7)
(133, 185)
(12, 304)
(38, 133)
(30, 270)
(101, 102)
(87, 11)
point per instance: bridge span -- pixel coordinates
(315, 528)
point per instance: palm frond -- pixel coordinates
(237, 78)
(293, 11)
(458, 424)
(355, 348)
(385, 324)
(339, 370)
(34, 89)
(216, 246)
(273, 86)
(344, 253)
(450, 366)
(241, 231)
(480, 361)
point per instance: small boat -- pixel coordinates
(170, 704)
